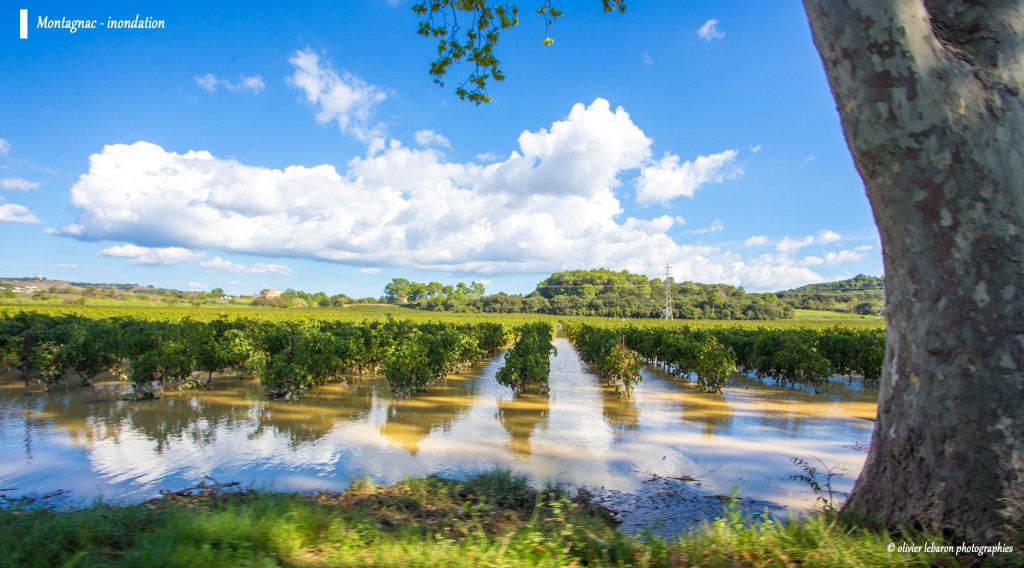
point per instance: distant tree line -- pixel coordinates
(298, 299)
(434, 295)
(84, 292)
(599, 292)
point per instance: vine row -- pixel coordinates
(808, 356)
(528, 361)
(288, 357)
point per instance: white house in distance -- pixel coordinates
(270, 293)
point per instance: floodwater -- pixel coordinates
(91, 443)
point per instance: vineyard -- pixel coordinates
(364, 312)
(808, 356)
(289, 357)
(173, 349)
(528, 362)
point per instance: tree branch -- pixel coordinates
(475, 45)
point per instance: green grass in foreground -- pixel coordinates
(493, 519)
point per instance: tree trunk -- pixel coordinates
(929, 94)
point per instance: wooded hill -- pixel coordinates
(860, 295)
(599, 292)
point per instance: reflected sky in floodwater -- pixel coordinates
(90, 442)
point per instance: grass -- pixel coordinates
(363, 312)
(353, 312)
(841, 317)
(492, 519)
(821, 539)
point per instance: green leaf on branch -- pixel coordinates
(467, 31)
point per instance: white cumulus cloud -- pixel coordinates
(788, 245)
(431, 138)
(581, 155)
(151, 255)
(211, 83)
(756, 240)
(218, 264)
(550, 205)
(345, 98)
(709, 31)
(834, 258)
(369, 271)
(252, 83)
(207, 82)
(667, 178)
(12, 213)
(654, 226)
(716, 226)
(18, 184)
(5, 147)
(826, 236)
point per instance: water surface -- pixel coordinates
(88, 441)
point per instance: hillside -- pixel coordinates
(859, 295)
(598, 292)
(39, 290)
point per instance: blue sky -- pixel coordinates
(251, 145)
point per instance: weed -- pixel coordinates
(825, 494)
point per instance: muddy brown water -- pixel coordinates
(92, 444)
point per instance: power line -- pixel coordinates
(777, 293)
(828, 292)
(594, 285)
(668, 291)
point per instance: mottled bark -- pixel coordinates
(929, 94)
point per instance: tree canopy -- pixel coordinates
(467, 31)
(597, 292)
